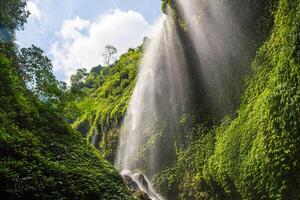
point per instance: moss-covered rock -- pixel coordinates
(256, 154)
(101, 111)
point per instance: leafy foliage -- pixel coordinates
(107, 90)
(77, 80)
(256, 154)
(13, 14)
(36, 72)
(41, 156)
(253, 154)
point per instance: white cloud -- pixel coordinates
(34, 10)
(81, 42)
(70, 29)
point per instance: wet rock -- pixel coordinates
(142, 180)
(131, 183)
(144, 183)
(134, 186)
(139, 185)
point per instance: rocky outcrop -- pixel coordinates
(140, 186)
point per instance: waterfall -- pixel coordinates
(157, 101)
(180, 71)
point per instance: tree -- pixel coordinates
(77, 80)
(13, 14)
(36, 72)
(109, 55)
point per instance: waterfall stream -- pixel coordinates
(172, 79)
(159, 94)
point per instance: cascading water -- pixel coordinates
(157, 101)
(171, 80)
(220, 43)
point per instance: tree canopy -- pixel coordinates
(13, 14)
(36, 71)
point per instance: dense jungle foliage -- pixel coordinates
(54, 140)
(256, 154)
(103, 102)
(41, 156)
(249, 150)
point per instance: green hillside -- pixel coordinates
(100, 111)
(41, 156)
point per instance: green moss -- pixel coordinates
(256, 154)
(103, 109)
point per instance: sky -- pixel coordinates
(73, 33)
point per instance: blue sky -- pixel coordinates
(73, 33)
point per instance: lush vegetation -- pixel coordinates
(249, 149)
(98, 113)
(256, 154)
(41, 156)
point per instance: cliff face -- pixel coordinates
(100, 113)
(255, 154)
(242, 140)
